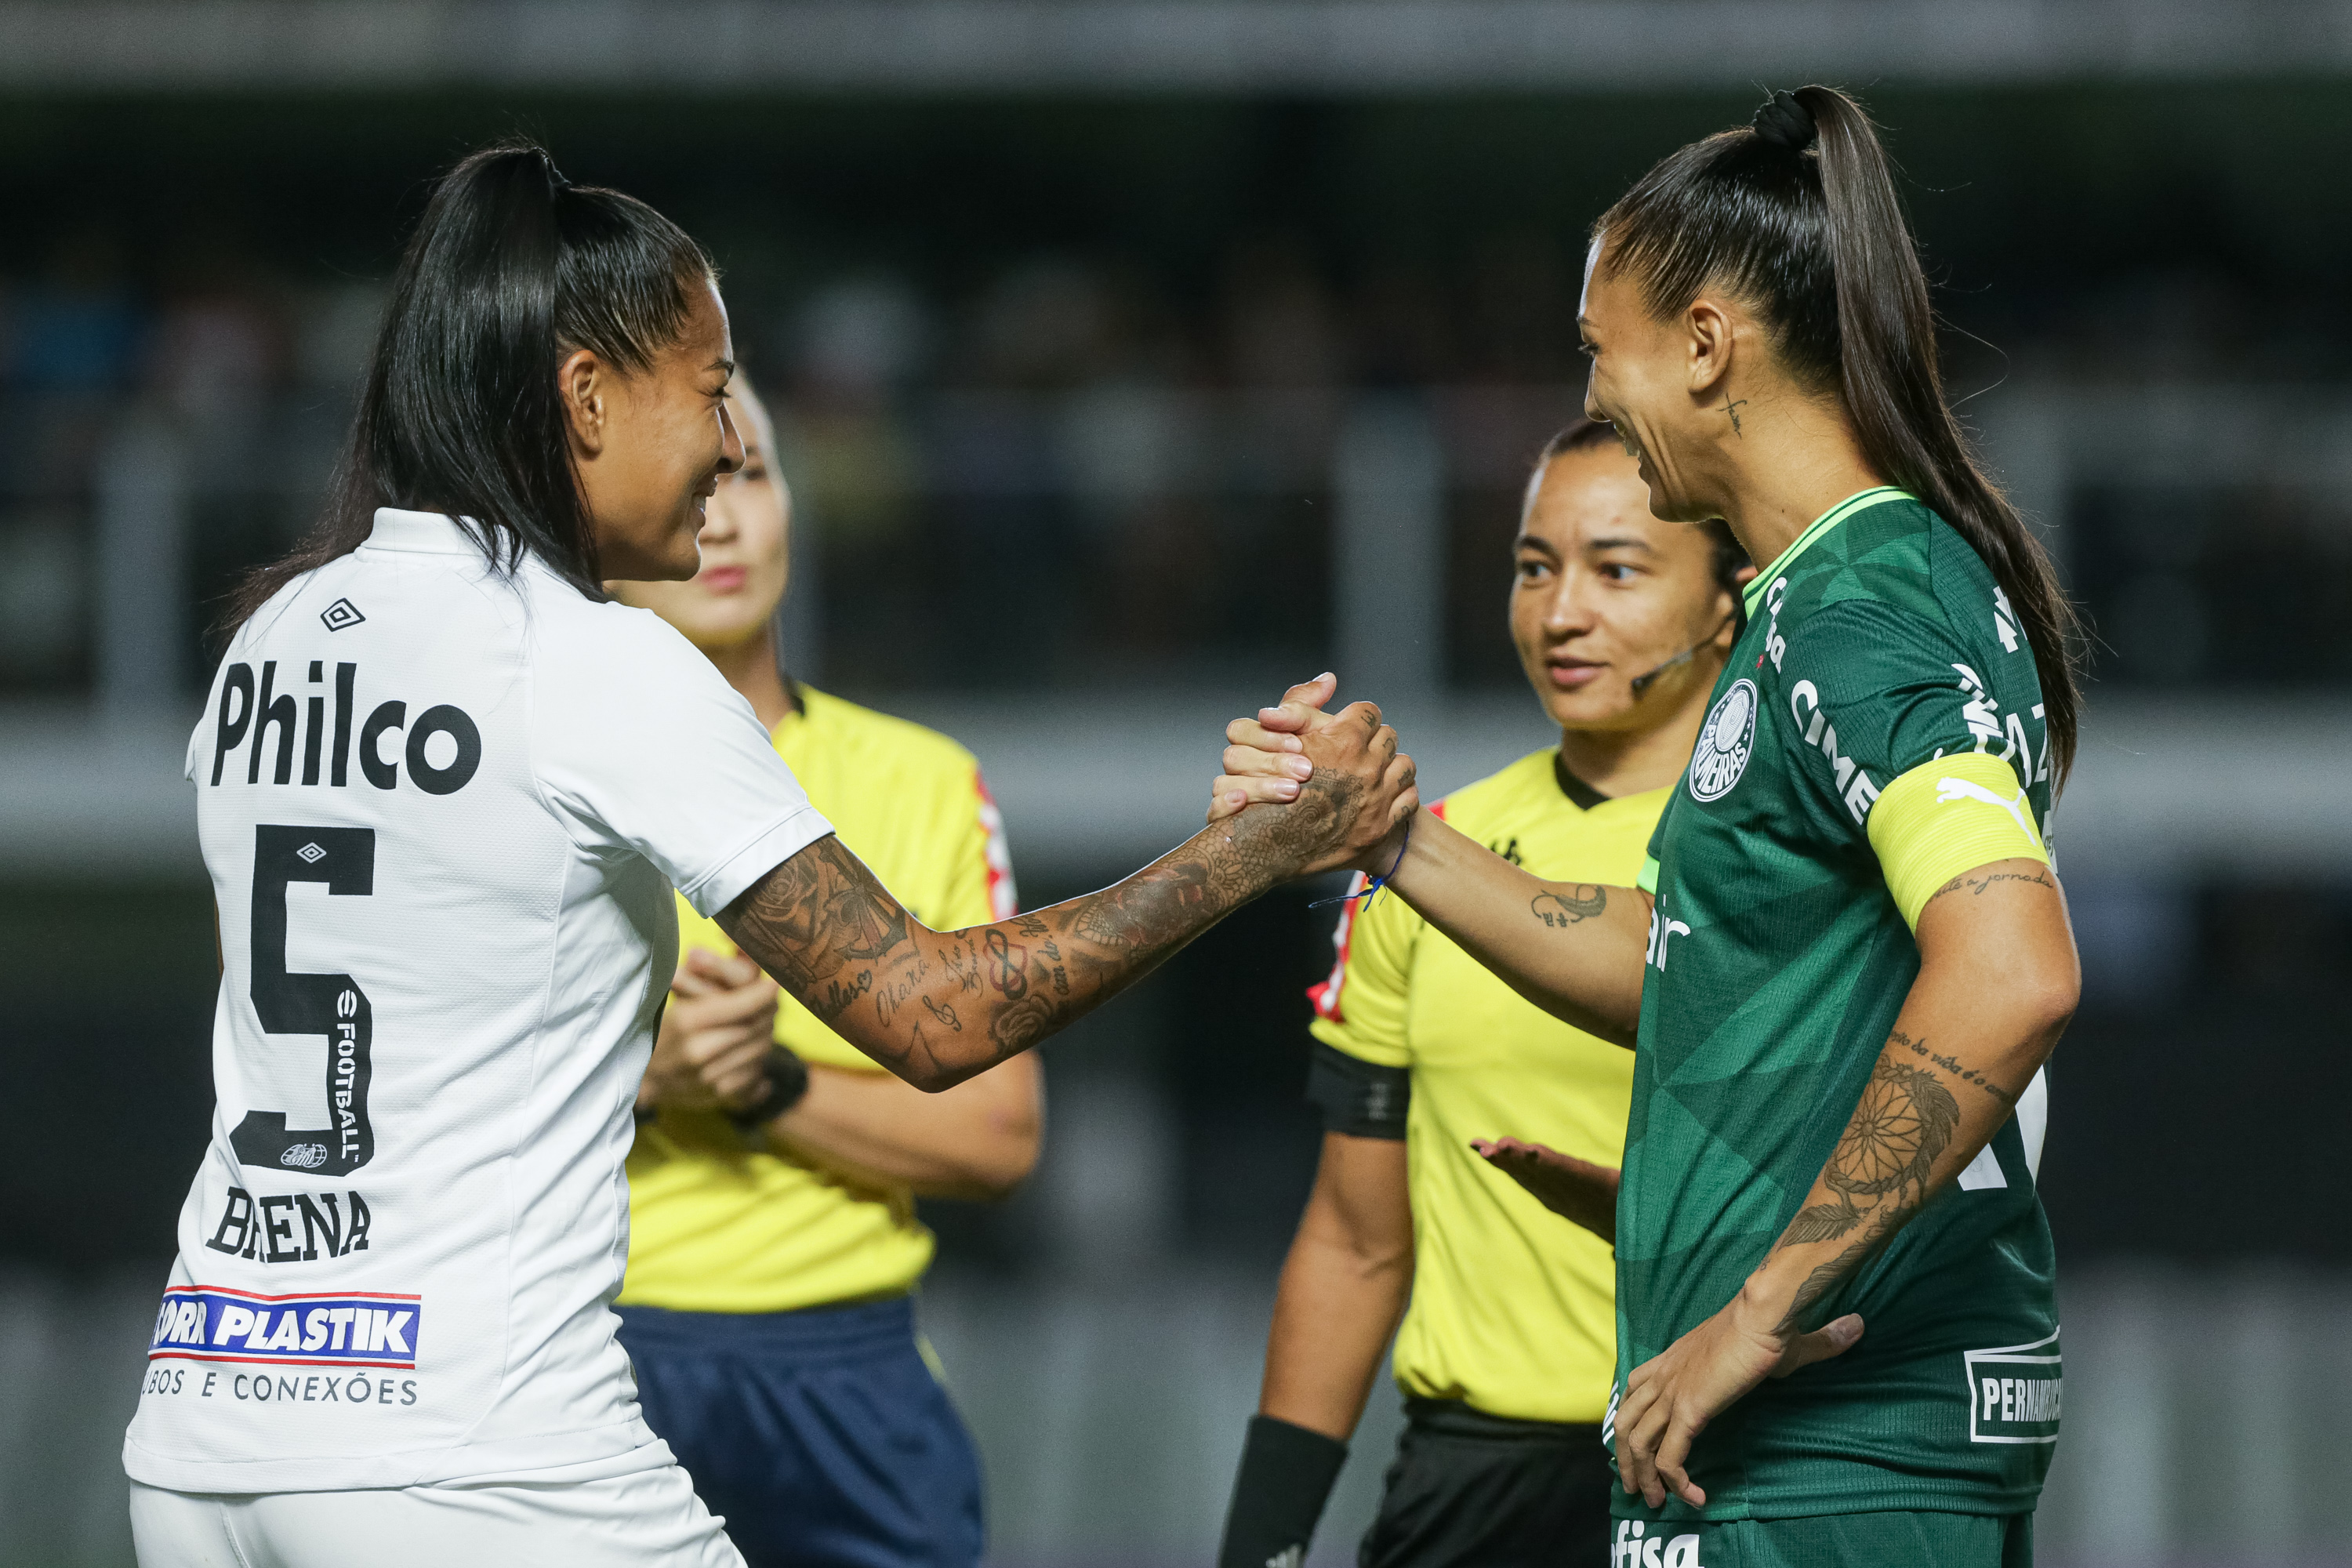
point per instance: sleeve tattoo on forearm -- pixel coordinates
(834, 935)
(1879, 1172)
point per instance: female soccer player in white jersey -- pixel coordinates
(768, 1308)
(446, 788)
(1621, 623)
(1847, 958)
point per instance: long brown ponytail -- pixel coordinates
(1798, 216)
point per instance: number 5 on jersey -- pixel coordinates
(332, 1006)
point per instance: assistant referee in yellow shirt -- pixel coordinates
(773, 1242)
(1508, 1342)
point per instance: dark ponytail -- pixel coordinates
(513, 268)
(1797, 215)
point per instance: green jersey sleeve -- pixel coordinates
(1876, 689)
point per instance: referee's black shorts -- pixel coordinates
(1468, 1488)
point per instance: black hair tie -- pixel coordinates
(1785, 122)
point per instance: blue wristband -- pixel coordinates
(1371, 888)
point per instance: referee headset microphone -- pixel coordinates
(1641, 683)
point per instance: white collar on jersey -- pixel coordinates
(419, 533)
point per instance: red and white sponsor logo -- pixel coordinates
(1327, 996)
(1003, 901)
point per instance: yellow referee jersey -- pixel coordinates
(1513, 1309)
(714, 1228)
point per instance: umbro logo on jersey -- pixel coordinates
(311, 854)
(1724, 742)
(340, 613)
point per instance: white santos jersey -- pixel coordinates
(443, 811)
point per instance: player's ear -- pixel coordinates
(582, 383)
(1709, 328)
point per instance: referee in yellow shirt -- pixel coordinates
(1506, 1347)
(773, 1242)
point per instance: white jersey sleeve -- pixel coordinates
(642, 748)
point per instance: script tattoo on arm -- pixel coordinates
(1952, 1065)
(833, 935)
(1578, 904)
(1976, 885)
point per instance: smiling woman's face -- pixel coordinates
(651, 447)
(1639, 385)
(746, 546)
(1603, 592)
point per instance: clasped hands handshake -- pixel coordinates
(1276, 759)
(1269, 760)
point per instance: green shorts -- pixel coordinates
(1828, 1540)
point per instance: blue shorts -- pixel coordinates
(821, 1436)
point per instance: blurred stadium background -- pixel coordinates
(1134, 359)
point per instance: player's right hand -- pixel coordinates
(1264, 759)
(715, 1035)
(1269, 760)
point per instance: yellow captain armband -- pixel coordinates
(1648, 880)
(1948, 816)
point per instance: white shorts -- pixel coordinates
(647, 1519)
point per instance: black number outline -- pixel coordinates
(330, 1006)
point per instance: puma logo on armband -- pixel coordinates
(1949, 790)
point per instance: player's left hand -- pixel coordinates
(715, 1035)
(1669, 1400)
(1578, 1190)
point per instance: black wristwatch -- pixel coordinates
(782, 1081)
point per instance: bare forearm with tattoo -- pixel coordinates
(936, 1007)
(1996, 983)
(1574, 949)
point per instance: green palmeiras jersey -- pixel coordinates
(1878, 646)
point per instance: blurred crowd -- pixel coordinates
(1120, 467)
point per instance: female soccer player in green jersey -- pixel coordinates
(773, 1242)
(1848, 957)
(1621, 623)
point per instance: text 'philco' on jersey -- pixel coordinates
(246, 714)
